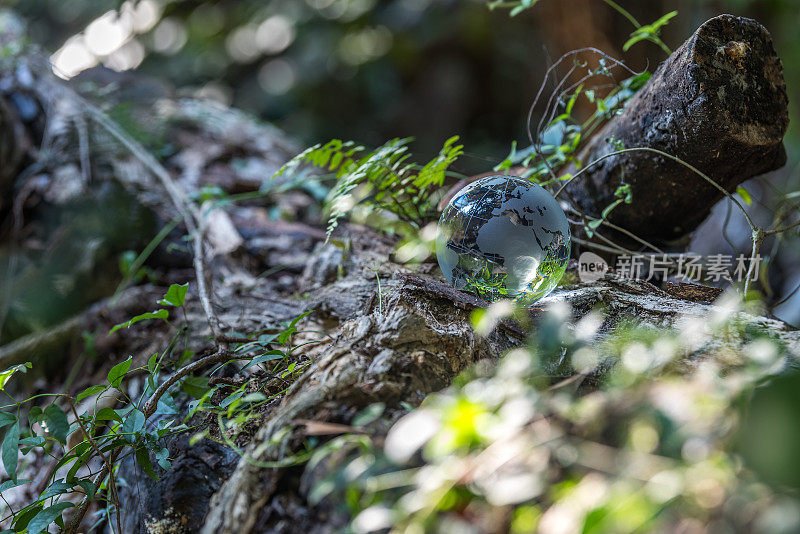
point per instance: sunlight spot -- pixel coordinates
(72, 58)
(365, 45)
(277, 77)
(241, 44)
(128, 57)
(274, 35)
(169, 36)
(107, 33)
(145, 15)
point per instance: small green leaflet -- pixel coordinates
(5, 375)
(57, 423)
(118, 372)
(291, 328)
(623, 192)
(108, 414)
(152, 363)
(88, 487)
(6, 419)
(745, 195)
(230, 399)
(254, 397)
(91, 390)
(175, 295)
(33, 441)
(162, 457)
(8, 484)
(266, 357)
(43, 519)
(9, 449)
(648, 32)
(134, 422)
(143, 459)
(195, 386)
(56, 488)
(157, 314)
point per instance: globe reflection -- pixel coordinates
(503, 237)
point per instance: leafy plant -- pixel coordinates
(381, 179)
(523, 447)
(99, 433)
(243, 404)
(650, 32)
(562, 137)
(623, 194)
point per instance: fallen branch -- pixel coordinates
(718, 104)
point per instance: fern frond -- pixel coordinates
(385, 177)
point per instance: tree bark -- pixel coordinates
(718, 103)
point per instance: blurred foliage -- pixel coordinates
(642, 432)
(389, 67)
(356, 69)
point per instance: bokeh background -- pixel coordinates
(370, 70)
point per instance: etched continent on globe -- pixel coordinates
(503, 237)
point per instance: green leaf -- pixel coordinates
(6, 419)
(291, 328)
(134, 423)
(175, 295)
(254, 397)
(25, 515)
(9, 484)
(152, 363)
(634, 83)
(58, 487)
(8, 373)
(162, 456)
(143, 458)
(45, 518)
(266, 357)
(745, 195)
(9, 450)
(108, 414)
(57, 424)
(649, 32)
(369, 414)
(32, 441)
(91, 390)
(118, 372)
(157, 314)
(88, 487)
(195, 386)
(624, 192)
(636, 38)
(35, 415)
(227, 401)
(185, 356)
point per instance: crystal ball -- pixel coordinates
(503, 237)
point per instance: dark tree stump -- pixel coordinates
(719, 103)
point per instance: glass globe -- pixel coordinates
(503, 237)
